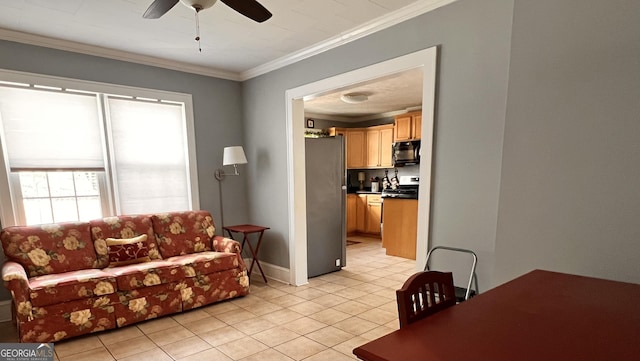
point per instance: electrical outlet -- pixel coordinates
(338, 262)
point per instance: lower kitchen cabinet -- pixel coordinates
(400, 227)
(364, 214)
(374, 214)
(352, 199)
(361, 210)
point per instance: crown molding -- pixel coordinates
(408, 12)
(356, 119)
(81, 48)
(381, 23)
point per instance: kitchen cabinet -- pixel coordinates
(361, 211)
(367, 147)
(374, 214)
(378, 146)
(408, 127)
(333, 131)
(368, 213)
(355, 139)
(352, 200)
(400, 230)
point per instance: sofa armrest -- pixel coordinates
(16, 281)
(224, 244)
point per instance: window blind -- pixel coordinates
(149, 150)
(50, 129)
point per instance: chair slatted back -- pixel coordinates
(424, 294)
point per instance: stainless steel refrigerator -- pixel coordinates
(326, 201)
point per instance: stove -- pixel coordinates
(407, 188)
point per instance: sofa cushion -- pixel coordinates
(197, 264)
(140, 275)
(62, 308)
(147, 303)
(210, 288)
(56, 326)
(69, 286)
(50, 248)
(122, 227)
(180, 233)
(128, 250)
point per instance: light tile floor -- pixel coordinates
(324, 320)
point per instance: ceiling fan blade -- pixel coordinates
(159, 8)
(249, 8)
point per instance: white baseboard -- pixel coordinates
(271, 271)
(5, 310)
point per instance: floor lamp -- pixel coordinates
(231, 156)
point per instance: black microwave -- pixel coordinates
(406, 153)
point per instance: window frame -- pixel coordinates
(18, 197)
(9, 212)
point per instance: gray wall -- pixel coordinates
(547, 179)
(474, 41)
(216, 103)
(569, 199)
(326, 123)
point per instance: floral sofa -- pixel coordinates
(68, 279)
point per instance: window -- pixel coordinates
(78, 150)
(59, 196)
(148, 143)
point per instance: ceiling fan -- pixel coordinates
(249, 8)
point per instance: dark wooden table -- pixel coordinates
(246, 230)
(539, 316)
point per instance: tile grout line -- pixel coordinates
(362, 292)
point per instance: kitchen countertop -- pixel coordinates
(363, 192)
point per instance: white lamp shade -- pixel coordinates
(234, 155)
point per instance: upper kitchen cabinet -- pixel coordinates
(333, 131)
(356, 139)
(408, 126)
(367, 147)
(378, 146)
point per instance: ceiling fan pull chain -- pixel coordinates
(198, 29)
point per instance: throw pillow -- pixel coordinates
(127, 250)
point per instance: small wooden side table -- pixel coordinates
(246, 230)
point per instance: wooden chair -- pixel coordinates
(424, 294)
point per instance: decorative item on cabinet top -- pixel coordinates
(312, 133)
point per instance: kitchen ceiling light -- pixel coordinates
(354, 98)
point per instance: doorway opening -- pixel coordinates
(425, 60)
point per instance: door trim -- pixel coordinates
(296, 180)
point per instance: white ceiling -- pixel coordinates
(233, 47)
(387, 96)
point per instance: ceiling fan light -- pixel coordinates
(354, 98)
(198, 4)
